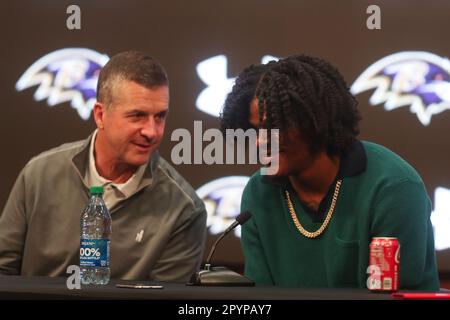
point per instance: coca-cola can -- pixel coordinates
(384, 264)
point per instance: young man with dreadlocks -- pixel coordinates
(314, 219)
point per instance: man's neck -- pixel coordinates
(116, 173)
(312, 184)
(108, 167)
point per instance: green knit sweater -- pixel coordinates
(386, 198)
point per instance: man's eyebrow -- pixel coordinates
(135, 111)
(139, 111)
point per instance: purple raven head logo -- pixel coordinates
(420, 80)
(66, 75)
(222, 198)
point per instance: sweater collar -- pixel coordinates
(353, 161)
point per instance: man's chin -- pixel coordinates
(139, 160)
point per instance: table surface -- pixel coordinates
(19, 287)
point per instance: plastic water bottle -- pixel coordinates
(95, 240)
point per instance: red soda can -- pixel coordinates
(384, 264)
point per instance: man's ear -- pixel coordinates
(99, 114)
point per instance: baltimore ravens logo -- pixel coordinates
(222, 198)
(66, 75)
(420, 80)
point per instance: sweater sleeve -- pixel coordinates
(184, 251)
(256, 266)
(403, 211)
(13, 227)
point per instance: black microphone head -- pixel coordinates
(243, 217)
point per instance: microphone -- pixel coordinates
(221, 276)
(240, 219)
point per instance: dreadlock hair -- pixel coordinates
(236, 109)
(309, 94)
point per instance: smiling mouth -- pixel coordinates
(143, 146)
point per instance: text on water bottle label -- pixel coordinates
(94, 253)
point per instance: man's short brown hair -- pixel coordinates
(132, 66)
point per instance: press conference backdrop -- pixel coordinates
(203, 45)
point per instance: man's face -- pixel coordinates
(133, 126)
(294, 154)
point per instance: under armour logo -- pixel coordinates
(139, 236)
(213, 72)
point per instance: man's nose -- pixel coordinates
(149, 129)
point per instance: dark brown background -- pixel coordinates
(182, 33)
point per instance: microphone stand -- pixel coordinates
(221, 276)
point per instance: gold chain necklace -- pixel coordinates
(300, 228)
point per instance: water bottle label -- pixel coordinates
(94, 253)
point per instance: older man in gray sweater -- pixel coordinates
(158, 222)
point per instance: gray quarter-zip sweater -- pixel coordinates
(158, 233)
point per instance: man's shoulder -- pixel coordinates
(385, 162)
(58, 155)
(177, 183)
(64, 150)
